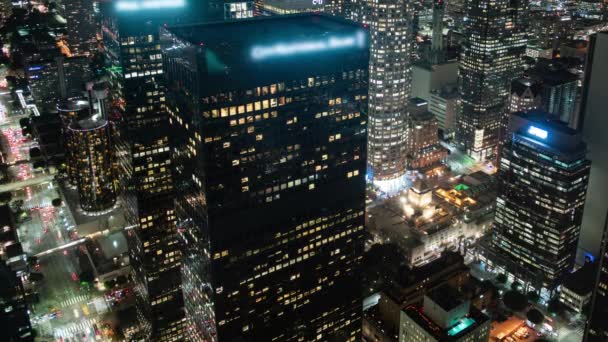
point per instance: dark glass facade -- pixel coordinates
(543, 177)
(595, 222)
(596, 330)
(81, 26)
(141, 141)
(491, 58)
(269, 145)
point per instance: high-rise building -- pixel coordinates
(141, 141)
(548, 29)
(596, 329)
(424, 150)
(69, 111)
(93, 163)
(444, 103)
(444, 316)
(269, 140)
(491, 58)
(542, 178)
(14, 311)
(51, 80)
(389, 87)
(591, 9)
(437, 48)
(278, 7)
(81, 26)
(593, 124)
(6, 9)
(595, 220)
(525, 95)
(558, 90)
(43, 80)
(427, 77)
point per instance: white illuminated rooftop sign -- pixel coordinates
(137, 5)
(294, 48)
(537, 132)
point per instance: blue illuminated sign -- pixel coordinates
(137, 5)
(537, 132)
(35, 68)
(302, 47)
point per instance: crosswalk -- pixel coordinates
(73, 300)
(580, 330)
(564, 332)
(37, 204)
(75, 329)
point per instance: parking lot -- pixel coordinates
(512, 330)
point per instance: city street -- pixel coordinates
(66, 307)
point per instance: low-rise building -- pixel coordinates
(444, 316)
(384, 318)
(427, 77)
(425, 154)
(472, 195)
(577, 288)
(444, 104)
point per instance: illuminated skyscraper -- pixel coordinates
(70, 111)
(81, 27)
(92, 155)
(273, 7)
(389, 87)
(491, 58)
(269, 134)
(141, 141)
(543, 179)
(51, 80)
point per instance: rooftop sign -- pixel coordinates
(537, 132)
(260, 52)
(138, 5)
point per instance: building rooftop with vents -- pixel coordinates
(444, 316)
(262, 49)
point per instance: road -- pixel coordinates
(47, 231)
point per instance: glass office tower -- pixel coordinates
(593, 125)
(491, 58)
(596, 329)
(81, 26)
(543, 179)
(269, 134)
(141, 140)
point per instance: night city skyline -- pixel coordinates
(303, 170)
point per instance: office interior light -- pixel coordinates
(137, 5)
